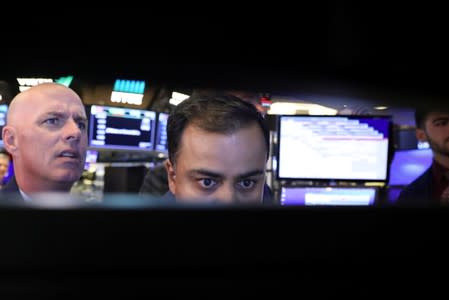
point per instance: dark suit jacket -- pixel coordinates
(10, 193)
(11, 186)
(419, 192)
(155, 181)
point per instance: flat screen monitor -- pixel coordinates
(407, 165)
(406, 138)
(121, 128)
(3, 111)
(331, 196)
(340, 148)
(91, 157)
(161, 133)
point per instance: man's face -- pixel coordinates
(226, 168)
(4, 164)
(436, 132)
(52, 140)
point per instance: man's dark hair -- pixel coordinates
(422, 113)
(218, 113)
(420, 117)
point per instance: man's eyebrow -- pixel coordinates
(51, 114)
(212, 174)
(54, 113)
(251, 173)
(445, 118)
(77, 117)
(80, 118)
(204, 172)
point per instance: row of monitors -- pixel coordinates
(337, 196)
(345, 148)
(118, 128)
(338, 148)
(309, 147)
(406, 166)
(127, 129)
(327, 147)
(328, 196)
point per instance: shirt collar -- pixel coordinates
(25, 196)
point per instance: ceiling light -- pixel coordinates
(291, 108)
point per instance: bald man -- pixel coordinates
(46, 135)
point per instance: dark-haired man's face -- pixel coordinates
(436, 132)
(216, 167)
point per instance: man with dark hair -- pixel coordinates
(218, 147)
(432, 187)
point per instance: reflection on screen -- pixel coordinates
(333, 147)
(407, 165)
(327, 196)
(121, 128)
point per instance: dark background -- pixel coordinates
(391, 49)
(396, 50)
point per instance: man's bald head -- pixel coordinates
(46, 134)
(25, 102)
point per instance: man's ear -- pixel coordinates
(171, 176)
(421, 135)
(9, 139)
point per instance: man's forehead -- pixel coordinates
(225, 173)
(62, 107)
(438, 115)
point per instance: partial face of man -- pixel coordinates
(436, 132)
(52, 140)
(4, 164)
(226, 168)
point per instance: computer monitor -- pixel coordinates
(331, 196)
(333, 148)
(3, 112)
(407, 165)
(121, 128)
(161, 133)
(91, 158)
(405, 138)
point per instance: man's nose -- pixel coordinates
(226, 194)
(72, 130)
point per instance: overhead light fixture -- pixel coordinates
(293, 108)
(67, 80)
(380, 107)
(177, 98)
(128, 91)
(129, 86)
(26, 83)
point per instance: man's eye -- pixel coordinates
(52, 121)
(207, 183)
(441, 123)
(82, 125)
(247, 183)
